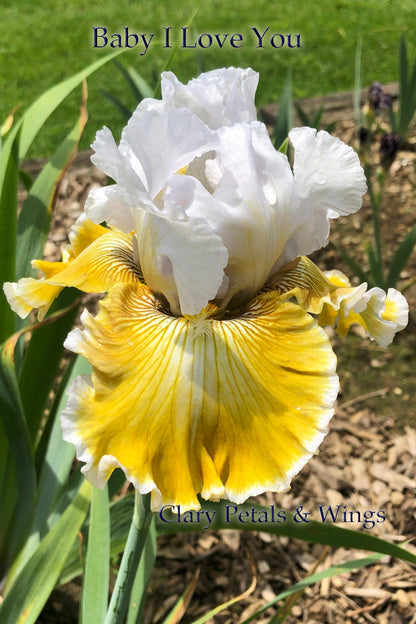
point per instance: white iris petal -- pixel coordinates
(329, 182)
(221, 97)
(381, 321)
(164, 140)
(183, 259)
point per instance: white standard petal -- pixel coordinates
(221, 97)
(111, 204)
(113, 163)
(329, 182)
(252, 184)
(163, 140)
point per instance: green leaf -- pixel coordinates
(317, 118)
(26, 179)
(28, 594)
(304, 118)
(157, 91)
(312, 531)
(131, 83)
(283, 149)
(136, 541)
(43, 357)
(137, 602)
(9, 177)
(348, 566)
(9, 495)
(97, 563)
(124, 110)
(43, 107)
(331, 127)
(7, 124)
(145, 90)
(14, 150)
(138, 85)
(358, 83)
(59, 456)
(36, 213)
(401, 257)
(53, 493)
(393, 120)
(375, 266)
(284, 118)
(116, 482)
(315, 121)
(403, 90)
(407, 91)
(412, 84)
(121, 512)
(14, 423)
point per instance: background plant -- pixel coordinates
(401, 118)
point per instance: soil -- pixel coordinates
(366, 462)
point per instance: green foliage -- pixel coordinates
(311, 531)
(378, 275)
(279, 617)
(401, 123)
(284, 119)
(97, 562)
(400, 258)
(136, 610)
(43, 507)
(28, 594)
(15, 430)
(138, 86)
(314, 120)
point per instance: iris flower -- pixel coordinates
(211, 373)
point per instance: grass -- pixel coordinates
(52, 40)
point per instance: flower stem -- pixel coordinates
(136, 540)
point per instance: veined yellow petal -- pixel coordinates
(197, 405)
(301, 279)
(83, 233)
(107, 260)
(337, 303)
